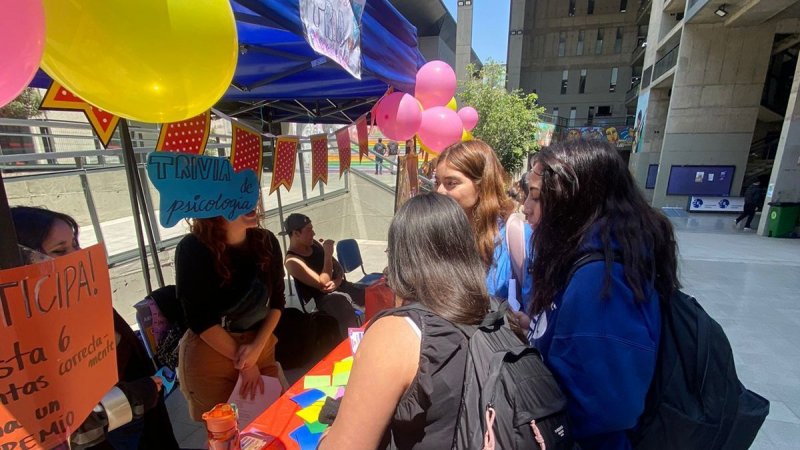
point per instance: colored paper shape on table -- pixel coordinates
(307, 398)
(340, 379)
(355, 334)
(330, 391)
(342, 366)
(315, 381)
(305, 439)
(316, 427)
(311, 413)
(250, 408)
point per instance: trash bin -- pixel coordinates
(782, 218)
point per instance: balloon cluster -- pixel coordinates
(431, 113)
(147, 60)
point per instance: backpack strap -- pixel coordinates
(515, 242)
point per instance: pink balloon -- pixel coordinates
(436, 84)
(398, 116)
(440, 127)
(21, 45)
(469, 116)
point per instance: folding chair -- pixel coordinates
(349, 256)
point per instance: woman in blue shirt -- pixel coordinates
(470, 173)
(597, 330)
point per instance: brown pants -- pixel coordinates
(208, 378)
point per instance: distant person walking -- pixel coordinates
(753, 197)
(392, 155)
(380, 151)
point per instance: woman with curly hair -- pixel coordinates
(597, 325)
(470, 173)
(229, 277)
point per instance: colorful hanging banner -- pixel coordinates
(57, 347)
(319, 159)
(58, 98)
(363, 137)
(333, 29)
(284, 162)
(246, 150)
(186, 136)
(343, 143)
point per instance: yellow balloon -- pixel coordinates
(148, 60)
(452, 104)
(466, 136)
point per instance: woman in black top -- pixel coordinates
(408, 373)
(229, 280)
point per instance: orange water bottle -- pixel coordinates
(222, 427)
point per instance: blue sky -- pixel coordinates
(489, 27)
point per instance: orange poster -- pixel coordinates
(57, 347)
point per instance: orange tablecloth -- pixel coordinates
(280, 419)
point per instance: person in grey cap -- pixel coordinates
(318, 275)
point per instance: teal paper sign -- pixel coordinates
(195, 186)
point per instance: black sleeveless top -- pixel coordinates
(426, 416)
(315, 261)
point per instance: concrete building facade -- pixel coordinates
(705, 101)
(575, 54)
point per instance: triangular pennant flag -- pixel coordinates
(319, 159)
(186, 136)
(58, 98)
(284, 162)
(363, 137)
(246, 150)
(343, 143)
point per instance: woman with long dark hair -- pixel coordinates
(471, 174)
(598, 330)
(229, 278)
(408, 373)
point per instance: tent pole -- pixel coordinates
(148, 224)
(283, 236)
(130, 169)
(9, 251)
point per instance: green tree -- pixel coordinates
(24, 106)
(508, 120)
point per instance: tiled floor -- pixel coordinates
(749, 283)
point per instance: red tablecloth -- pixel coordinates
(280, 419)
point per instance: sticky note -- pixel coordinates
(330, 391)
(339, 393)
(340, 379)
(308, 397)
(311, 413)
(316, 427)
(342, 366)
(315, 381)
(305, 439)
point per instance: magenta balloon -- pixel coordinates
(436, 84)
(469, 116)
(440, 127)
(21, 45)
(398, 116)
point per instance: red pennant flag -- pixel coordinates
(58, 98)
(186, 136)
(343, 142)
(319, 159)
(363, 137)
(246, 150)
(284, 162)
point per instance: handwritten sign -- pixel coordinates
(57, 347)
(199, 186)
(333, 29)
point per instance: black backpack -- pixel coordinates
(509, 397)
(695, 400)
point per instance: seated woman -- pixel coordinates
(49, 234)
(229, 279)
(598, 330)
(405, 386)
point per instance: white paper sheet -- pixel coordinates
(250, 409)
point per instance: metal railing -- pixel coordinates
(633, 92)
(666, 63)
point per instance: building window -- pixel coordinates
(604, 111)
(572, 113)
(562, 43)
(564, 79)
(623, 6)
(582, 85)
(579, 50)
(591, 116)
(613, 86)
(618, 41)
(555, 112)
(598, 45)
(571, 8)
(590, 7)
